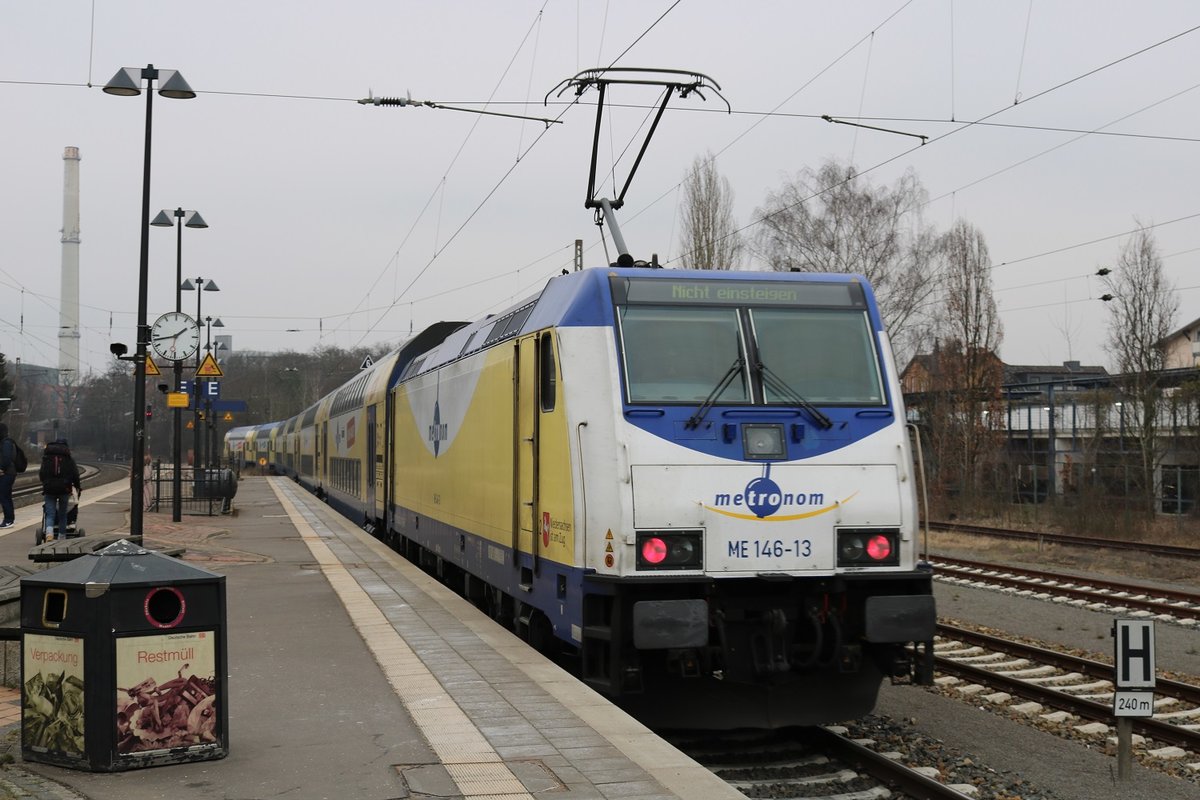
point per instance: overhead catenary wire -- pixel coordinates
(508, 173)
(967, 125)
(396, 260)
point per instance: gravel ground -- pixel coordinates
(1050, 766)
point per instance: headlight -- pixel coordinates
(670, 550)
(868, 547)
(763, 443)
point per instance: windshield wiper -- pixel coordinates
(776, 384)
(695, 419)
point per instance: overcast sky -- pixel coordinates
(338, 223)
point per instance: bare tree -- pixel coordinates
(709, 239)
(833, 221)
(970, 367)
(1142, 311)
(6, 387)
(969, 314)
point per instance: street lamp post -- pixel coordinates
(163, 220)
(127, 83)
(206, 285)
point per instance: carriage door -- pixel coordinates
(374, 472)
(323, 455)
(526, 417)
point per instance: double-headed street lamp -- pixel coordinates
(206, 285)
(163, 220)
(127, 83)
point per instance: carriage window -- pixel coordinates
(680, 354)
(826, 356)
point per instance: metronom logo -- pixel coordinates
(763, 498)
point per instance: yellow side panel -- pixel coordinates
(459, 470)
(468, 482)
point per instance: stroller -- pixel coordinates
(72, 529)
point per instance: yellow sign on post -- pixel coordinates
(228, 416)
(151, 367)
(208, 368)
(178, 400)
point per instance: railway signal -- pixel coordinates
(1133, 662)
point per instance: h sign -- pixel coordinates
(1134, 658)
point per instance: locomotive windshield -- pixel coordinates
(679, 338)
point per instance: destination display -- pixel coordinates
(734, 292)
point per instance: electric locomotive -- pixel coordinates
(700, 482)
(697, 483)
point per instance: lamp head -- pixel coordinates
(123, 84)
(118, 349)
(175, 87)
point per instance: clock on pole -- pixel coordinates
(175, 336)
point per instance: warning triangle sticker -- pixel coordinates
(151, 367)
(608, 535)
(208, 368)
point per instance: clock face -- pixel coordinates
(175, 336)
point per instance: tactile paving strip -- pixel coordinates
(475, 767)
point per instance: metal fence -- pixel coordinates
(203, 491)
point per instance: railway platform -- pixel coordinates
(353, 674)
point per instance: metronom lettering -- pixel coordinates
(160, 656)
(779, 499)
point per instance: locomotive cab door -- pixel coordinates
(526, 512)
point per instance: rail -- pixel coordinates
(1069, 539)
(1156, 599)
(1088, 709)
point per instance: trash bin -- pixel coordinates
(124, 662)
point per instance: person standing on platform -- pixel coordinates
(8, 474)
(59, 475)
(148, 483)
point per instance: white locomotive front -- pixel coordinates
(748, 499)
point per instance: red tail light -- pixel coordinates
(879, 548)
(868, 547)
(654, 550)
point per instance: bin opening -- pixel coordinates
(164, 607)
(54, 607)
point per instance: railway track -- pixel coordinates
(1079, 686)
(28, 489)
(1145, 548)
(817, 762)
(1095, 594)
